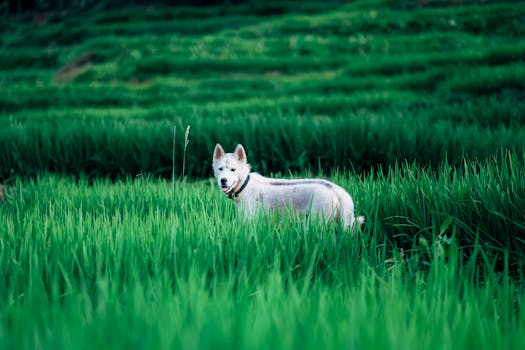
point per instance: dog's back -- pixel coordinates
(316, 195)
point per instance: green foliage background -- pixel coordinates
(304, 85)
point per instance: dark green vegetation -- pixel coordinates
(415, 107)
(325, 85)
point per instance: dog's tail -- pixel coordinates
(346, 210)
(359, 221)
(356, 224)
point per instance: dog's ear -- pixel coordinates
(240, 153)
(218, 152)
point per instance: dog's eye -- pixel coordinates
(232, 169)
(221, 168)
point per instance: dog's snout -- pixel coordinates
(223, 181)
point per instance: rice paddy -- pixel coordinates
(113, 234)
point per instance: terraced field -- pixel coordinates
(366, 83)
(112, 234)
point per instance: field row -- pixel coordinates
(120, 147)
(500, 61)
(371, 17)
(438, 83)
(219, 47)
(480, 199)
(495, 110)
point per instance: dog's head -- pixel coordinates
(230, 169)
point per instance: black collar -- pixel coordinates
(234, 195)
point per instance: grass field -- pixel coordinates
(145, 264)
(417, 108)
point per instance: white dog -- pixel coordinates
(253, 192)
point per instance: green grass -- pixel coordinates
(116, 144)
(415, 107)
(133, 264)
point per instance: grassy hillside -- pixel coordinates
(347, 85)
